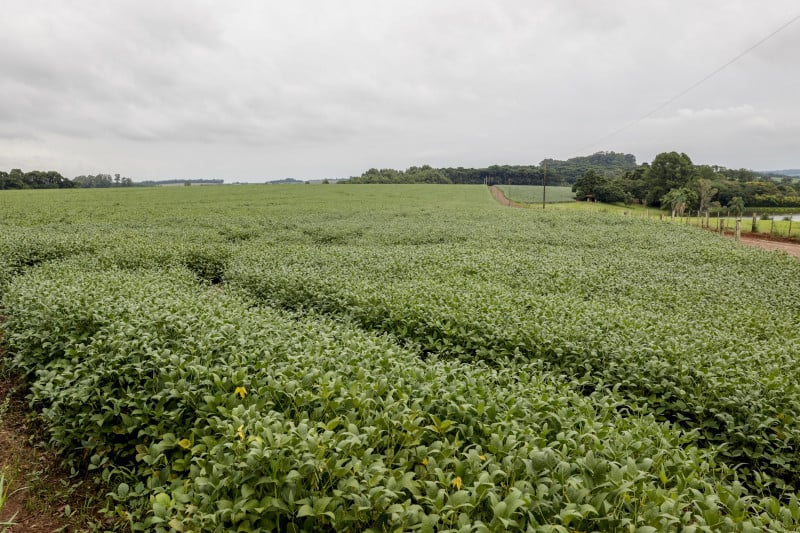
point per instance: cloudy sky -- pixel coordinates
(260, 90)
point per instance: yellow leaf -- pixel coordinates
(241, 391)
(457, 483)
(425, 461)
(240, 432)
(185, 444)
(482, 457)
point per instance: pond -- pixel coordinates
(777, 217)
(785, 216)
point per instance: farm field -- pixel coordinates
(532, 194)
(778, 222)
(391, 358)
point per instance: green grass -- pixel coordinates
(4, 524)
(777, 228)
(780, 227)
(597, 207)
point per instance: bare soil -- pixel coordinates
(42, 495)
(790, 247)
(502, 198)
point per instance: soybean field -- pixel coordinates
(403, 358)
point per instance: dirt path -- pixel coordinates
(42, 497)
(791, 248)
(19, 459)
(502, 198)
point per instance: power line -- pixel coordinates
(694, 85)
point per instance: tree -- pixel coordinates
(608, 164)
(628, 199)
(587, 184)
(40, 179)
(14, 180)
(92, 182)
(669, 170)
(634, 182)
(736, 206)
(705, 193)
(678, 200)
(609, 191)
(425, 174)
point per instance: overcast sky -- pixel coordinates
(260, 90)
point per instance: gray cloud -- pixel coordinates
(258, 90)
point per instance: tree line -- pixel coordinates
(35, 179)
(673, 181)
(670, 180)
(38, 179)
(559, 173)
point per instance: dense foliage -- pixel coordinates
(671, 171)
(37, 179)
(403, 358)
(615, 178)
(657, 340)
(561, 173)
(608, 164)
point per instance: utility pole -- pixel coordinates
(544, 185)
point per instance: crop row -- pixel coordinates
(702, 333)
(577, 353)
(209, 414)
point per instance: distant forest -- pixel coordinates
(616, 177)
(670, 180)
(610, 164)
(791, 172)
(37, 179)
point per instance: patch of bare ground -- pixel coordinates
(502, 198)
(769, 242)
(42, 496)
(790, 247)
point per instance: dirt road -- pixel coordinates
(791, 248)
